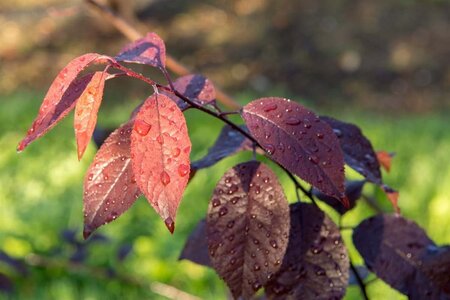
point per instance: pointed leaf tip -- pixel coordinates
(87, 231)
(170, 224)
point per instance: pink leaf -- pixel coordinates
(110, 187)
(149, 50)
(160, 148)
(60, 98)
(298, 140)
(86, 111)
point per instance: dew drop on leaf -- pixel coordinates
(183, 170)
(165, 178)
(142, 127)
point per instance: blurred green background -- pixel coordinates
(382, 65)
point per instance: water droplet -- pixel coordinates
(307, 125)
(187, 149)
(105, 177)
(165, 178)
(257, 190)
(223, 211)
(170, 224)
(270, 107)
(256, 267)
(253, 255)
(270, 275)
(277, 262)
(183, 170)
(320, 271)
(228, 180)
(408, 255)
(234, 200)
(233, 189)
(266, 180)
(160, 139)
(260, 225)
(256, 286)
(293, 121)
(90, 177)
(253, 216)
(142, 127)
(313, 159)
(123, 158)
(273, 243)
(215, 202)
(337, 132)
(336, 242)
(232, 261)
(255, 241)
(270, 148)
(230, 224)
(231, 238)
(319, 135)
(176, 152)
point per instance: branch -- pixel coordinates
(133, 34)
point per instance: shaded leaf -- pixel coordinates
(196, 247)
(18, 265)
(100, 134)
(247, 227)
(124, 251)
(358, 151)
(402, 255)
(6, 284)
(353, 190)
(160, 148)
(316, 264)
(227, 143)
(60, 98)
(109, 186)
(385, 159)
(149, 50)
(86, 110)
(195, 87)
(298, 140)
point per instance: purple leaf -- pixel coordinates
(247, 227)
(149, 50)
(196, 247)
(298, 140)
(353, 191)
(316, 264)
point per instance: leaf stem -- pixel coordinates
(361, 284)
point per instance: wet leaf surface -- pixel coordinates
(353, 190)
(109, 187)
(86, 110)
(400, 253)
(316, 264)
(149, 50)
(247, 227)
(160, 148)
(60, 98)
(298, 140)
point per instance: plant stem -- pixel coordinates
(361, 284)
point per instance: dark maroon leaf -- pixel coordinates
(358, 151)
(195, 87)
(316, 264)
(100, 134)
(149, 50)
(401, 254)
(227, 143)
(298, 140)
(196, 247)
(160, 148)
(6, 284)
(353, 191)
(109, 187)
(247, 227)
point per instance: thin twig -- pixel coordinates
(361, 284)
(133, 34)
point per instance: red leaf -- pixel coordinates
(401, 254)
(195, 87)
(227, 143)
(109, 187)
(160, 148)
(385, 159)
(298, 140)
(247, 227)
(149, 50)
(358, 151)
(86, 111)
(316, 264)
(392, 196)
(196, 247)
(60, 98)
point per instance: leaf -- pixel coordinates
(160, 148)
(227, 143)
(247, 227)
(353, 191)
(6, 284)
(401, 254)
(385, 159)
(358, 151)
(100, 134)
(149, 50)
(363, 273)
(298, 140)
(86, 110)
(109, 187)
(316, 264)
(196, 247)
(195, 87)
(60, 98)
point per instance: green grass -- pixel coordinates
(42, 195)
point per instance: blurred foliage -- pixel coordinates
(41, 207)
(382, 55)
